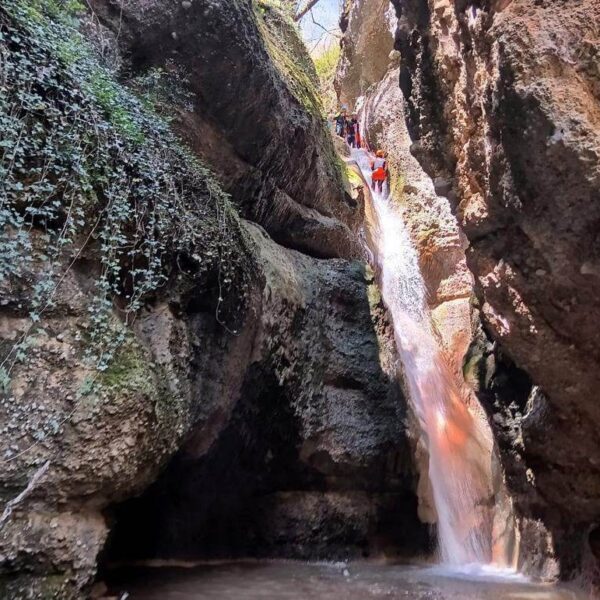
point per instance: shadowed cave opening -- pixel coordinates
(252, 495)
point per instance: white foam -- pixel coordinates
(478, 572)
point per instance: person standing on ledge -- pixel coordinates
(358, 136)
(379, 171)
(340, 123)
(353, 132)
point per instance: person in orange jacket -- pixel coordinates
(379, 171)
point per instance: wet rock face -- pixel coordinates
(428, 217)
(503, 102)
(256, 117)
(426, 210)
(313, 460)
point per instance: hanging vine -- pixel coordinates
(87, 169)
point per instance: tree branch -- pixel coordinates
(332, 32)
(302, 11)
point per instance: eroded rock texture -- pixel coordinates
(427, 214)
(267, 373)
(367, 42)
(256, 115)
(313, 453)
(503, 103)
(433, 228)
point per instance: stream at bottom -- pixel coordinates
(292, 580)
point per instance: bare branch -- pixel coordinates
(302, 11)
(317, 44)
(333, 32)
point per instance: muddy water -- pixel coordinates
(288, 580)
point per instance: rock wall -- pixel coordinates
(426, 210)
(261, 375)
(433, 228)
(367, 42)
(502, 101)
(95, 240)
(313, 462)
(256, 115)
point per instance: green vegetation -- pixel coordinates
(352, 181)
(88, 170)
(163, 90)
(326, 63)
(374, 296)
(353, 177)
(129, 369)
(284, 7)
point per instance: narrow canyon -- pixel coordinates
(232, 367)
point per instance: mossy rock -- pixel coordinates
(30, 587)
(135, 198)
(287, 51)
(129, 370)
(353, 177)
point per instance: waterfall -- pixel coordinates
(458, 441)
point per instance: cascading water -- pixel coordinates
(458, 443)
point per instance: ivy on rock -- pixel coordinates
(88, 170)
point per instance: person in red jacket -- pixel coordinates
(358, 136)
(379, 171)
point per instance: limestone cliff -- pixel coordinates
(313, 460)
(256, 114)
(431, 225)
(502, 106)
(433, 228)
(149, 333)
(367, 42)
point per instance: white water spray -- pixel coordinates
(459, 445)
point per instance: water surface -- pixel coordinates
(290, 580)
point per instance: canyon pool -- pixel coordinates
(294, 580)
